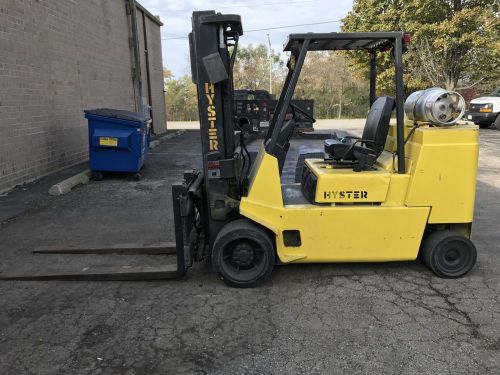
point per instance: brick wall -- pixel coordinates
(57, 58)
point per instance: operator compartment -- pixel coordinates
(323, 183)
(351, 174)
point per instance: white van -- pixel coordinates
(485, 111)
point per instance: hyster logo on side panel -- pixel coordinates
(212, 117)
(345, 194)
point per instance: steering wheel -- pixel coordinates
(304, 113)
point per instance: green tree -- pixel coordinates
(455, 43)
(327, 79)
(167, 75)
(180, 97)
(251, 69)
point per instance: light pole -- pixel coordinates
(270, 66)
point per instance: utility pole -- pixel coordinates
(270, 66)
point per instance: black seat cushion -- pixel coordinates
(336, 148)
(377, 122)
(374, 134)
(339, 150)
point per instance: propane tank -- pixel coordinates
(435, 105)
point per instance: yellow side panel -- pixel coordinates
(345, 185)
(265, 184)
(264, 191)
(329, 233)
(444, 172)
(397, 190)
(345, 233)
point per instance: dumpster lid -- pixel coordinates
(119, 114)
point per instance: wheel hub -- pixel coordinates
(452, 255)
(243, 255)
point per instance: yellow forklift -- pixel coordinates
(398, 191)
(394, 192)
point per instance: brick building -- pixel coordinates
(59, 57)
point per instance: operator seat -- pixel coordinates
(361, 153)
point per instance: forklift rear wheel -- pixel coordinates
(448, 254)
(243, 254)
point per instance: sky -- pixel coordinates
(264, 14)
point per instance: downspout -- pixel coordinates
(148, 73)
(136, 58)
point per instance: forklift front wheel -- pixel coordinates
(448, 254)
(243, 254)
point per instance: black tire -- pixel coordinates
(137, 177)
(484, 125)
(448, 254)
(497, 122)
(243, 254)
(97, 176)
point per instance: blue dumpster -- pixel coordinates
(118, 140)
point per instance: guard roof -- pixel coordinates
(370, 41)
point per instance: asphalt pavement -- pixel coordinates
(395, 318)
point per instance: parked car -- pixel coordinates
(485, 111)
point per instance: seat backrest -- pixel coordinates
(377, 122)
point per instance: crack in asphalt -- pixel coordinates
(333, 318)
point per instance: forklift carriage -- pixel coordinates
(397, 191)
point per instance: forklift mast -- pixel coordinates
(211, 67)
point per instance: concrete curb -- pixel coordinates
(154, 144)
(166, 137)
(65, 186)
